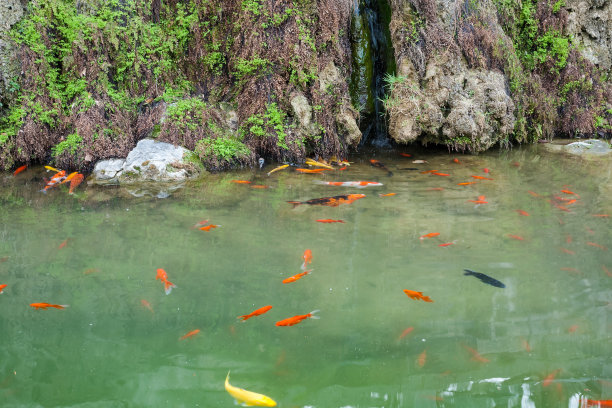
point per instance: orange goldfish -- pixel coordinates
(19, 170)
(334, 201)
(568, 251)
(422, 357)
(342, 168)
(522, 212)
(440, 174)
(43, 305)
(455, 160)
(208, 227)
(63, 244)
(436, 189)
(517, 237)
(568, 192)
(76, 180)
(147, 305)
(430, 235)
(200, 224)
(290, 321)
(550, 377)
(310, 171)
(526, 345)
(329, 221)
(593, 244)
(387, 195)
(573, 328)
(482, 178)
(606, 270)
(240, 181)
(307, 257)
(55, 180)
(598, 403)
(190, 334)
(2, 288)
(428, 171)
(467, 183)
(406, 154)
(446, 244)
(259, 186)
(417, 295)
(163, 276)
(297, 276)
(257, 312)
(533, 193)
(475, 355)
(486, 170)
(406, 332)
(480, 200)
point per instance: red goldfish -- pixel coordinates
(430, 235)
(297, 276)
(163, 276)
(428, 171)
(440, 174)
(482, 178)
(455, 160)
(76, 180)
(568, 192)
(55, 180)
(475, 355)
(387, 195)
(417, 295)
(446, 244)
(329, 221)
(523, 213)
(63, 244)
(43, 305)
(307, 257)
(358, 184)
(296, 319)
(240, 181)
(19, 170)
(480, 200)
(257, 312)
(208, 227)
(406, 154)
(2, 288)
(190, 334)
(486, 170)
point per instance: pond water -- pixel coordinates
(542, 341)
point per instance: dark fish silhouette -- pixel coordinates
(409, 168)
(330, 201)
(485, 278)
(381, 166)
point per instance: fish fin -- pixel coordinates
(294, 203)
(468, 272)
(313, 316)
(427, 299)
(168, 287)
(303, 267)
(320, 182)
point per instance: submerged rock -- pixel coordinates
(148, 161)
(590, 147)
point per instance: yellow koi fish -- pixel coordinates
(284, 166)
(311, 162)
(249, 398)
(52, 169)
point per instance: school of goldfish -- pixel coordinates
(559, 201)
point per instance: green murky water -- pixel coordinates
(107, 350)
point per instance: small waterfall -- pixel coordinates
(373, 57)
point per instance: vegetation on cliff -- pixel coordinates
(98, 76)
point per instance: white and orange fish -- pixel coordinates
(55, 180)
(357, 184)
(163, 276)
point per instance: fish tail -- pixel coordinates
(427, 299)
(168, 287)
(294, 203)
(312, 314)
(320, 182)
(468, 272)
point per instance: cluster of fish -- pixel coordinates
(57, 179)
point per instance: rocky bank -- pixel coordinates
(239, 80)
